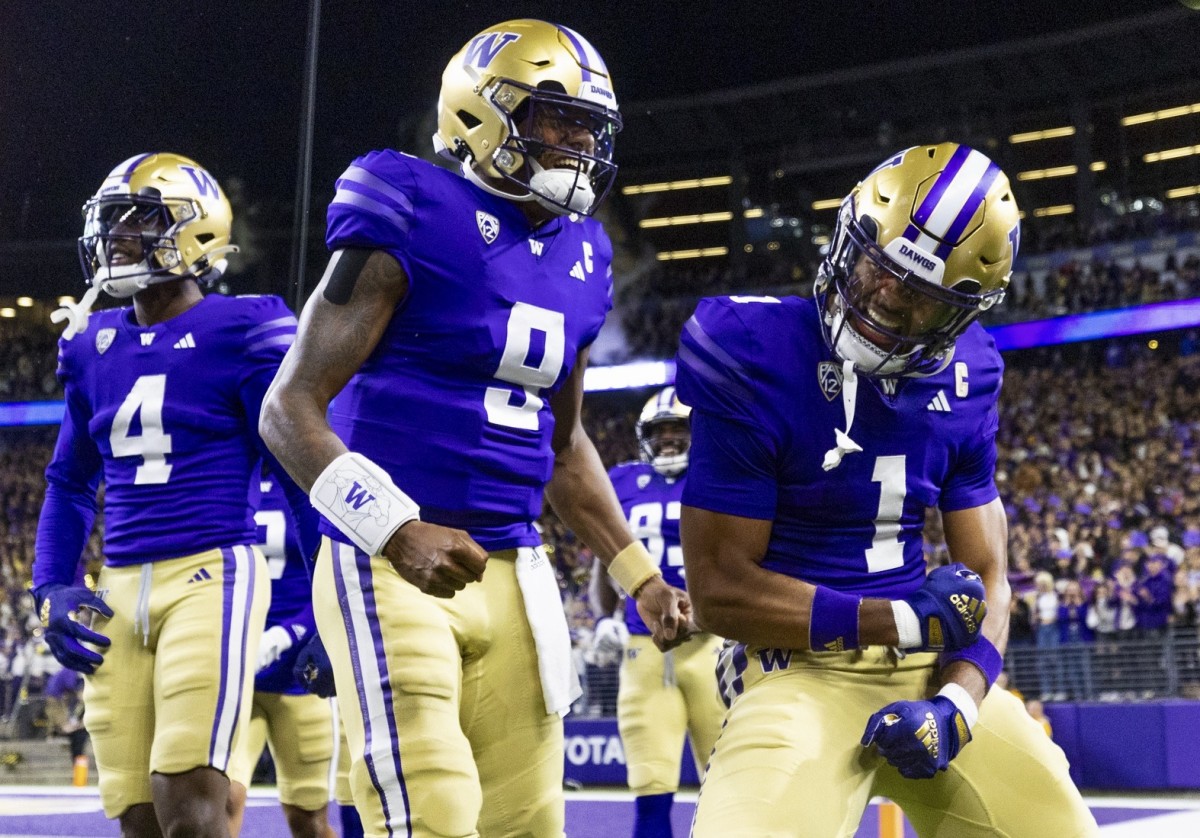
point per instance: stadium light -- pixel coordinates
(693, 253)
(8, 311)
(66, 300)
(826, 204)
(1165, 113)
(1057, 209)
(1171, 154)
(1098, 166)
(673, 185)
(1044, 134)
(680, 220)
(25, 302)
(1053, 171)
(753, 212)
(1183, 192)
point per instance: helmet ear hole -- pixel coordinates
(870, 226)
(469, 119)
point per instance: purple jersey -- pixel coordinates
(766, 398)
(651, 503)
(291, 590)
(168, 415)
(454, 401)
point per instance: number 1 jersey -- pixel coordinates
(767, 398)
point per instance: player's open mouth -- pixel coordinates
(865, 329)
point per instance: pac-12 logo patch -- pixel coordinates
(104, 339)
(489, 225)
(829, 376)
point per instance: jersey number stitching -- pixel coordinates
(645, 519)
(515, 367)
(886, 551)
(152, 445)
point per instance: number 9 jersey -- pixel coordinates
(454, 403)
(168, 415)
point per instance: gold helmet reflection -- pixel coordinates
(506, 81)
(940, 219)
(180, 200)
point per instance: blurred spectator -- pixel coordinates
(1045, 616)
(1155, 590)
(1076, 638)
(1038, 712)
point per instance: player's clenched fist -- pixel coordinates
(919, 738)
(666, 611)
(948, 610)
(440, 561)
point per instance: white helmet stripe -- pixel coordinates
(956, 194)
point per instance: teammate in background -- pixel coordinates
(662, 697)
(162, 402)
(453, 324)
(297, 725)
(802, 527)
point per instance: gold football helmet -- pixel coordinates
(530, 104)
(164, 207)
(667, 452)
(922, 245)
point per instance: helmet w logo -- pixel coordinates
(484, 49)
(205, 184)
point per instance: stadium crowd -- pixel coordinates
(655, 308)
(1099, 469)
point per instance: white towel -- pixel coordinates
(547, 620)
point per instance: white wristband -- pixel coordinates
(907, 624)
(360, 499)
(963, 701)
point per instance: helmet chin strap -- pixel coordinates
(843, 443)
(77, 314)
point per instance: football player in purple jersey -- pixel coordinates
(453, 325)
(162, 403)
(822, 430)
(662, 697)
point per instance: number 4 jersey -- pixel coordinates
(168, 415)
(454, 401)
(767, 398)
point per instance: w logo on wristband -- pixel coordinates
(356, 496)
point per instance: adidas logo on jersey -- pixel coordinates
(148, 338)
(186, 342)
(938, 403)
(199, 576)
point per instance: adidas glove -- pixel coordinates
(59, 608)
(945, 613)
(313, 671)
(918, 738)
(611, 636)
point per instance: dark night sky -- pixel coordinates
(83, 86)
